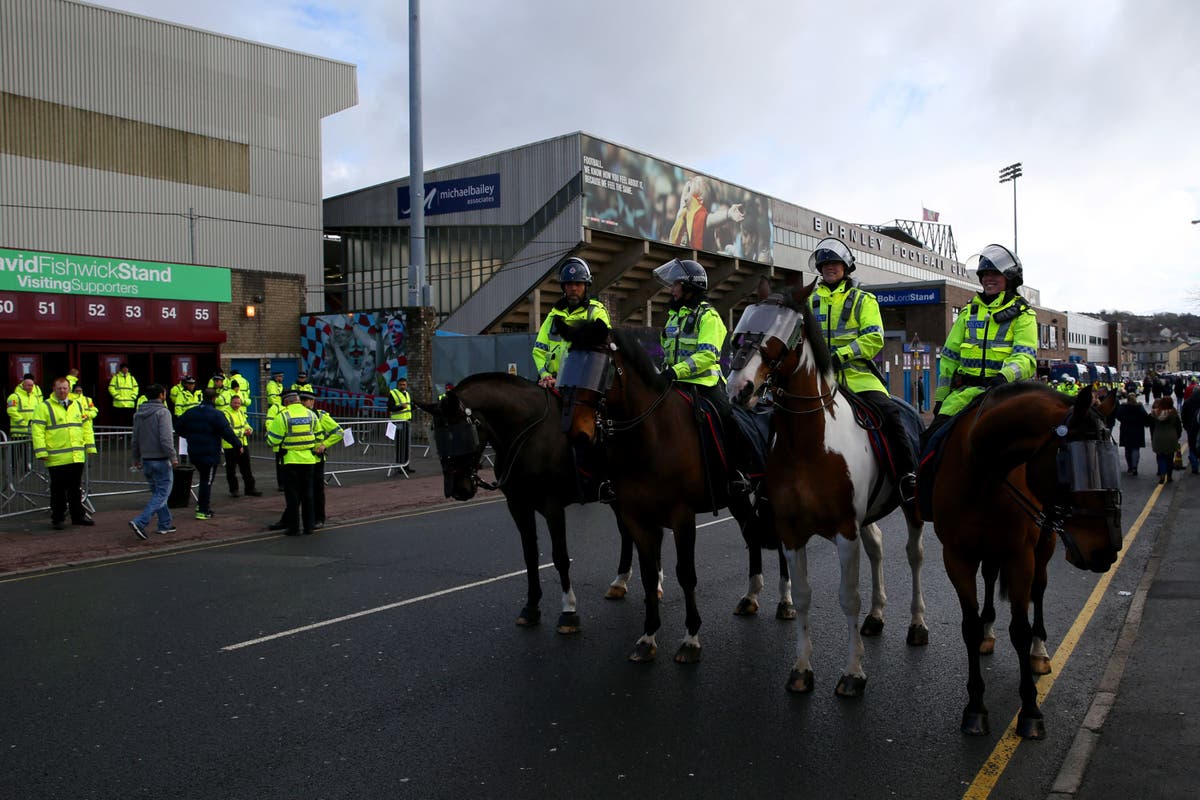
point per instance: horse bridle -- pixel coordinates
(605, 424)
(1053, 517)
(458, 440)
(748, 343)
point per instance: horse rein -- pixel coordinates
(519, 442)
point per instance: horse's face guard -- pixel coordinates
(769, 330)
(459, 447)
(1087, 487)
(585, 378)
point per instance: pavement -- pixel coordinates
(1139, 738)
(29, 544)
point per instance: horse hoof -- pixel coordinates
(850, 686)
(987, 646)
(746, 607)
(975, 723)
(568, 622)
(785, 611)
(643, 652)
(918, 636)
(1040, 665)
(800, 682)
(1031, 727)
(529, 617)
(615, 593)
(688, 653)
(872, 626)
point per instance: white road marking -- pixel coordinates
(409, 601)
(376, 610)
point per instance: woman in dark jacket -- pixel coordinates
(1134, 421)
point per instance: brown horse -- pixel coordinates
(1023, 465)
(534, 469)
(657, 465)
(823, 478)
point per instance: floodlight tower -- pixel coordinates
(1011, 173)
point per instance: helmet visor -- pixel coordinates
(829, 250)
(992, 258)
(770, 320)
(586, 369)
(670, 272)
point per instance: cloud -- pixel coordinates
(863, 112)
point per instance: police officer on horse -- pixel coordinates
(849, 316)
(574, 276)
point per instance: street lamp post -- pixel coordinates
(1011, 173)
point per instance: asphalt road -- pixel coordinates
(116, 683)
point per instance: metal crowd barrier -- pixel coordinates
(25, 484)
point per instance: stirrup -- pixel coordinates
(606, 494)
(908, 488)
(739, 484)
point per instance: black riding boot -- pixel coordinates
(904, 460)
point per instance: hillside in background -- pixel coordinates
(1141, 328)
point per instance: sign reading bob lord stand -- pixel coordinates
(100, 276)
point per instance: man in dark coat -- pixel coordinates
(1190, 414)
(204, 427)
(1134, 420)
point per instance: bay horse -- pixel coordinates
(657, 467)
(1022, 467)
(534, 469)
(823, 478)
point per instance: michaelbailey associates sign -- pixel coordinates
(56, 273)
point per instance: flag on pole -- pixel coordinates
(929, 216)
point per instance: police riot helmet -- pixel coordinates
(831, 249)
(998, 258)
(684, 271)
(575, 270)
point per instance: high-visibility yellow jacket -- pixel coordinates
(550, 348)
(303, 387)
(85, 403)
(21, 405)
(185, 401)
(989, 339)
(329, 432)
(692, 340)
(124, 390)
(294, 431)
(402, 402)
(61, 433)
(274, 393)
(237, 421)
(853, 327)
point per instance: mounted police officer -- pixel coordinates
(574, 276)
(993, 341)
(853, 327)
(692, 340)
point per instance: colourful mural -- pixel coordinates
(357, 353)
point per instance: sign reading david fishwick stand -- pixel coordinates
(55, 273)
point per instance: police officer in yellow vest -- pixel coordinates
(1068, 386)
(691, 341)
(124, 390)
(85, 403)
(302, 384)
(574, 277)
(239, 385)
(236, 460)
(329, 433)
(293, 433)
(185, 396)
(400, 411)
(272, 413)
(993, 341)
(275, 390)
(853, 327)
(21, 405)
(62, 437)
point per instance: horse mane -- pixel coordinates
(501, 377)
(816, 340)
(638, 359)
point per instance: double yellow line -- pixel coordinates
(993, 768)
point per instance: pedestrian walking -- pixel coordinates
(154, 452)
(238, 458)
(205, 427)
(62, 437)
(1164, 437)
(920, 393)
(1134, 420)
(1190, 416)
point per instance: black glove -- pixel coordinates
(836, 360)
(667, 375)
(996, 380)
(937, 407)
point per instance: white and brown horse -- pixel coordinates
(823, 478)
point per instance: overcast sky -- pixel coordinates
(863, 111)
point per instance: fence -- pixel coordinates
(25, 482)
